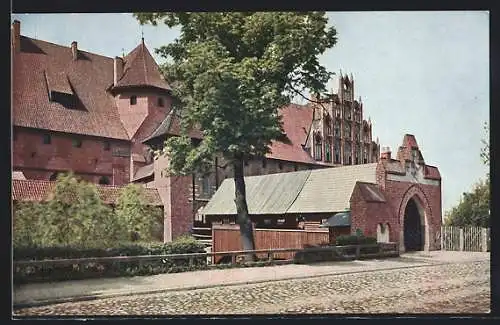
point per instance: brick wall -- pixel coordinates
(39, 161)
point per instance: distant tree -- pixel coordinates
(473, 209)
(135, 217)
(232, 72)
(485, 150)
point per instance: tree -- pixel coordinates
(134, 217)
(231, 73)
(74, 214)
(26, 224)
(473, 209)
(485, 151)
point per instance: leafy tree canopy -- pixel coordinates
(231, 73)
(473, 209)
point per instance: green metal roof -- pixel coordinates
(266, 194)
(330, 189)
(325, 190)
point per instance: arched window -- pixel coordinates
(318, 147)
(133, 100)
(337, 129)
(104, 180)
(328, 151)
(328, 125)
(337, 151)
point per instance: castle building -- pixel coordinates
(100, 117)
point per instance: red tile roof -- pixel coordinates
(172, 125)
(39, 190)
(141, 70)
(41, 67)
(297, 121)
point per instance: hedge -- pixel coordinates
(182, 245)
(345, 240)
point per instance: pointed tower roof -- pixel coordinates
(140, 69)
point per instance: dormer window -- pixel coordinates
(133, 100)
(161, 103)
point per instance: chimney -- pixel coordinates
(74, 50)
(16, 35)
(385, 153)
(118, 70)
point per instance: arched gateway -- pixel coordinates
(414, 214)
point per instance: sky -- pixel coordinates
(423, 73)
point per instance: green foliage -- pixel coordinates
(26, 224)
(485, 151)
(75, 215)
(133, 216)
(232, 72)
(345, 240)
(473, 209)
(183, 245)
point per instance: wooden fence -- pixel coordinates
(227, 238)
(470, 239)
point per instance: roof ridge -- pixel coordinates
(66, 47)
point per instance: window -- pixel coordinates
(347, 154)
(318, 147)
(106, 145)
(280, 222)
(267, 222)
(205, 184)
(365, 156)
(328, 125)
(337, 128)
(347, 131)
(337, 151)
(77, 143)
(295, 167)
(160, 102)
(264, 162)
(104, 180)
(280, 165)
(47, 139)
(328, 151)
(133, 100)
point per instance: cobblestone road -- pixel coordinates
(452, 288)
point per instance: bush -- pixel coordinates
(182, 245)
(345, 240)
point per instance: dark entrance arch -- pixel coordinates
(413, 227)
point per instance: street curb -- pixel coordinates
(40, 303)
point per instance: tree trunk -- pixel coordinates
(242, 218)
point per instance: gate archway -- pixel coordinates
(414, 226)
(414, 213)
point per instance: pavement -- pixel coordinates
(38, 294)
